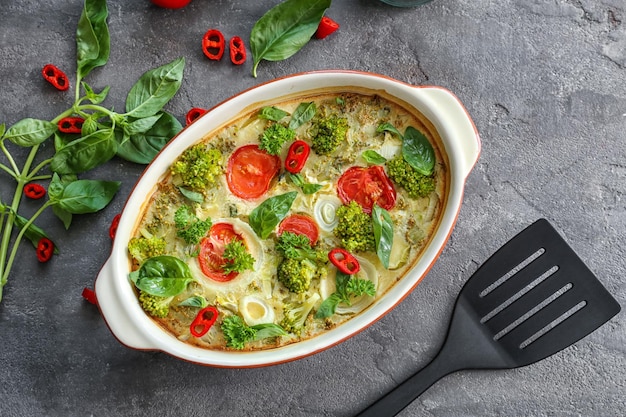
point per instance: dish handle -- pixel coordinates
(458, 126)
(114, 309)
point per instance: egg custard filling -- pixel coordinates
(288, 221)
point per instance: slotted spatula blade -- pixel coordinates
(529, 300)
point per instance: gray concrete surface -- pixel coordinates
(544, 81)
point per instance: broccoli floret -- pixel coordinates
(237, 333)
(296, 274)
(154, 305)
(295, 315)
(355, 228)
(300, 261)
(274, 137)
(198, 167)
(142, 248)
(330, 132)
(416, 184)
(188, 226)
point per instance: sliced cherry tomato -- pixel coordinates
(171, 4)
(367, 186)
(251, 171)
(300, 224)
(211, 257)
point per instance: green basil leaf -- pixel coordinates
(93, 43)
(33, 233)
(383, 233)
(418, 151)
(55, 192)
(265, 217)
(92, 96)
(141, 125)
(341, 286)
(307, 188)
(85, 153)
(373, 157)
(195, 301)
(285, 29)
(388, 127)
(154, 89)
(265, 330)
(30, 132)
(142, 148)
(192, 195)
(328, 306)
(2, 129)
(303, 113)
(163, 276)
(86, 196)
(63, 215)
(272, 113)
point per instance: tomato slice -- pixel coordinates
(367, 186)
(211, 257)
(251, 171)
(300, 224)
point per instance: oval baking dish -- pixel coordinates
(460, 146)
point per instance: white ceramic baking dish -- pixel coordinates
(461, 145)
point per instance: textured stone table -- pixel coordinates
(544, 81)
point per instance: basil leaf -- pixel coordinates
(86, 196)
(373, 157)
(285, 29)
(162, 276)
(92, 96)
(383, 233)
(93, 43)
(30, 132)
(33, 233)
(141, 125)
(2, 129)
(388, 127)
(195, 301)
(328, 306)
(265, 217)
(143, 147)
(272, 113)
(265, 330)
(417, 151)
(192, 195)
(154, 89)
(303, 113)
(307, 188)
(63, 215)
(85, 153)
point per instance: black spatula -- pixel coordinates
(531, 299)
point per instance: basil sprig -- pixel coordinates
(162, 276)
(285, 29)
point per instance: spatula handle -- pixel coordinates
(401, 396)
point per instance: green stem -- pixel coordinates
(38, 168)
(7, 170)
(16, 170)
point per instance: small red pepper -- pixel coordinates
(344, 261)
(213, 44)
(34, 191)
(90, 295)
(71, 124)
(113, 228)
(55, 76)
(237, 50)
(326, 27)
(203, 321)
(297, 156)
(193, 114)
(45, 249)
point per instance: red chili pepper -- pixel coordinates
(71, 124)
(203, 321)
(45, 249)
(90, 295)
(326, 27)
(237, 50)
(344, 261)
(193, 114)
(34, 191)
(56, 77)
(297, 156)
(113, 228)
(213, 44)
